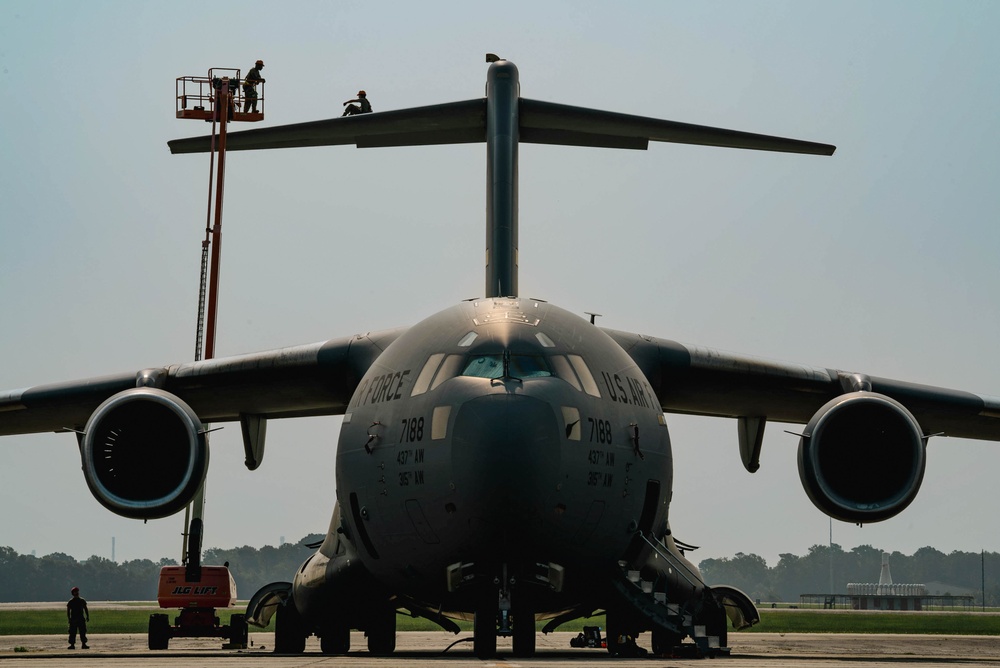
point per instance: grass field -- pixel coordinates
(135, 619)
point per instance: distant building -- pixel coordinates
(885, 595)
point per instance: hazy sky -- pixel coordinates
(881, 259)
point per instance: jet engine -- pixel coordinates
(144, 453)
(862, 457)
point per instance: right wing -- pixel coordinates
(697, 380)
(862, 449)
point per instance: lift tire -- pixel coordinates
(159, 631)
(239, 633)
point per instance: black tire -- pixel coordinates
(336, 638)
(238, 631)
(484, 632)
(663, 642)
(382, 631)
(159, 631)
(614, 625)
(524, 631)
(289, 633)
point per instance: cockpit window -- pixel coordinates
(449, 369)
(582, 370)
(484, 366)
(521, 366)
(467, 340)
(424, 379)
(565, 371)
(439, 368)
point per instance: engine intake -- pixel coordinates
(144, 453)
(862, 457)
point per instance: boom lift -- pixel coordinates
(195, 589)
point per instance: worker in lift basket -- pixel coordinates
(250, 87)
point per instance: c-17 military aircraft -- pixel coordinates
(504, 460)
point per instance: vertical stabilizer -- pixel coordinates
(502, 125)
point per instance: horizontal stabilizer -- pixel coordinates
(465, 122)
(549, 123)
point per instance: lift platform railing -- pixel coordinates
(197, 97)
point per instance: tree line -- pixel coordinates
(24, 577)
(49, 578)
(811, 574)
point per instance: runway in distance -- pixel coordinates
(504, 460)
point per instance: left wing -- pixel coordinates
(862, 450)
(300, 381)
(142, 433)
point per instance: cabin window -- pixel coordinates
(571, 419)
(439, 422)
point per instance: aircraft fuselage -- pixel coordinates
(500, 436)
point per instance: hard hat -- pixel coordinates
(259, 63)
(361, 92)
(74, 590)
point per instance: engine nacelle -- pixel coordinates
(862, 457)
(144, 453)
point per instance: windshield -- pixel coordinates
(521, 366)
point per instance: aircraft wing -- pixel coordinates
(465, 122)
(307, 380)
(703, 381)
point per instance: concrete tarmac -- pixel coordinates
(426, 650)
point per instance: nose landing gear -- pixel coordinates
(507, 613)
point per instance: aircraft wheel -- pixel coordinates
(524, 631)
(159, 631)
(484, 632)
(614, 630)
(289, 634)
(664, 641)
(382, 631)
(336, 638)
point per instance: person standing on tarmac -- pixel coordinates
(250, 87)
(79, 615)
(362, 100)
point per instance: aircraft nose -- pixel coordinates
(506, 463)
